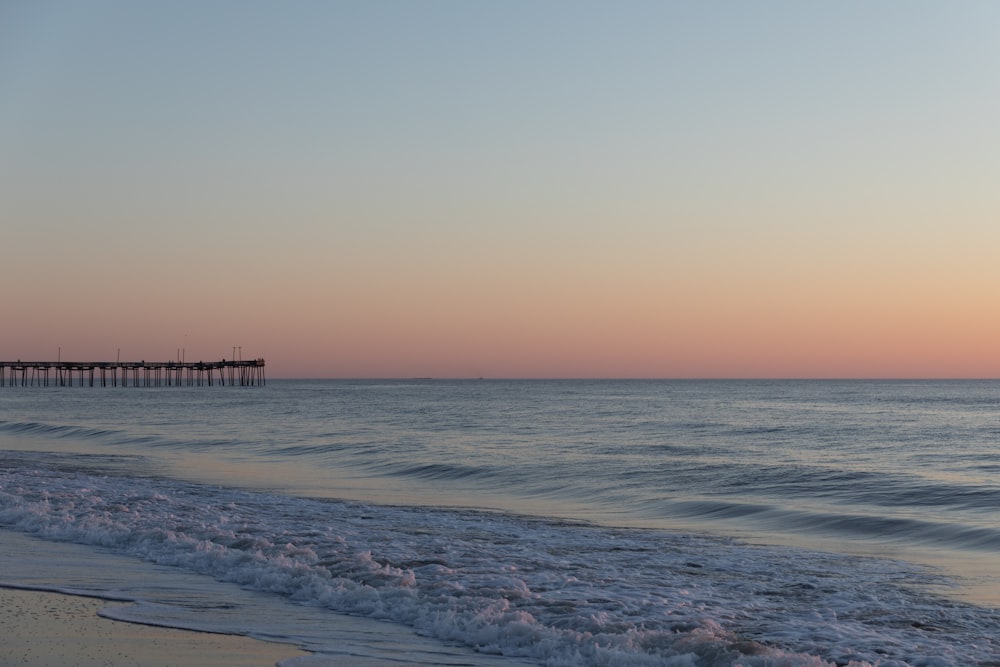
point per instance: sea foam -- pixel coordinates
(551, 592)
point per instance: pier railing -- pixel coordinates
(244, 373)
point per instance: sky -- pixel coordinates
(520, 189)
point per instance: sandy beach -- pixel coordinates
(42, 629)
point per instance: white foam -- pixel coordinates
(553, 593)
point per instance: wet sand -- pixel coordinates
(42, 629)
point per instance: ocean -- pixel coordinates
(503, 522)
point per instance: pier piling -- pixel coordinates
(245, 373)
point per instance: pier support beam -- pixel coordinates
(144, 374)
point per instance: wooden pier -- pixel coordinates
(131, 373)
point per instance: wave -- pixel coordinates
(548, 591)
(954, 535)
(58, 431)
(111, 436)
(434, 471)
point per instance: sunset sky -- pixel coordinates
(515, 188)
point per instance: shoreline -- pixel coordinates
(44, 628)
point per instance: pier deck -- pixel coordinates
(243, 373)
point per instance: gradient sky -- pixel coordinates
(504, 189)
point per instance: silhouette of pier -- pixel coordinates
(244, 373)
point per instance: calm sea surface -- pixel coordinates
(599, 523)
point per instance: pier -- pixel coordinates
(243, 373)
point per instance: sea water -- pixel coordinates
(676, 523)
